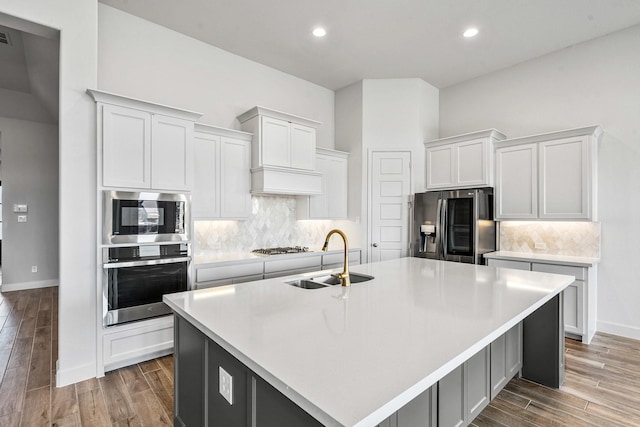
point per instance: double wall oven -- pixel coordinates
(146, 253)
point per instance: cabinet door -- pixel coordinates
(477, 383)
(171, 153)
(517, 182)
(126, 147)
(564, 178)
(440, 167)
(337, 190)
(573, 308)
(498, 365)
(319, 205)
(206, 164)
(472, 163)
(513, 348)
(420, 412)
(276, 149)
(451, 395)
(303, 147)
(235, 178)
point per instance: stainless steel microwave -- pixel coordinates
(145, 217)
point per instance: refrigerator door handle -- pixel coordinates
(443, 227)
(438, 237)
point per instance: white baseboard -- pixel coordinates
(8, 287)
(619, 329)
(70, 376)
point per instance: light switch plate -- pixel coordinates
(226, 385)
(20, 208)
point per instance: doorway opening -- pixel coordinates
(29, 153)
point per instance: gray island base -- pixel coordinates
(425, 343)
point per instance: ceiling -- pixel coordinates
(388, 38)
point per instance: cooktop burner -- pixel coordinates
(279, 251)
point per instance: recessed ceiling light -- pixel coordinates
(319, 32)
(470, 32)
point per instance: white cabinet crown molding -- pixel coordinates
(267, 112)
(488, 133)
(216, 130)
(115, 99)
(595, 131)
(331, 152)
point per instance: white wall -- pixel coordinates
(386, 114)
(77, 21)
(143, 60)
(32, 147)
(597, 82)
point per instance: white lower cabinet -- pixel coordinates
(465, 391)
(506, 358)
(135, 342)
(579, 297)
(231, 272)
(422, 411)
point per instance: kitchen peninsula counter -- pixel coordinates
(353, 356)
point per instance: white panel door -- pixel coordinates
(390, 185)
(303, 147)
(564, 178)
(276, 140)
(171, 153)
(205, 195)
(235, 178)
(126, 147)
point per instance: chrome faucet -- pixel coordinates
(344, 276)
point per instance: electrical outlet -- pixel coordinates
(22, 218)
(226, 385)
(34, 268)
(541, 245)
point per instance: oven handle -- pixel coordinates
(148, 262)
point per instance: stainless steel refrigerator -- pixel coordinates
(453, 225)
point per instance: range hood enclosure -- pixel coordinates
(283, 152)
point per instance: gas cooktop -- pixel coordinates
(279, 251)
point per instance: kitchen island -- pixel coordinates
(353, 356)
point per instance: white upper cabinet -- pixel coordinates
(551, 176)
(144, 145)
(221, 171)
(332, 203)
(171, 153)
(463, 161)
(283, 158)
(126, 147)
(517, 182)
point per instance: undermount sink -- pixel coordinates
(327, 280)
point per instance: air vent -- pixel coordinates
(4, 38)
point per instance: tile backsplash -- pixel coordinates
(559, 238)
(272, 223)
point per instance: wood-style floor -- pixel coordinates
(602, 385)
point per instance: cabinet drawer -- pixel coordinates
(338, 259)
(507, 263)
(290, 272)
(208, 274)
(129, 345)
(292, 264)
(579, 272)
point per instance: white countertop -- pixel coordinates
(577, 261)
(353, 356)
